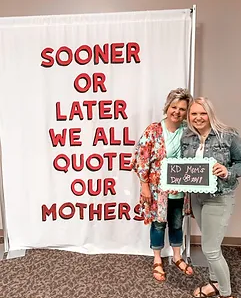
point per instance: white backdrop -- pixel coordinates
(48, 199)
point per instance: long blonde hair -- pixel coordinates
(217, 126)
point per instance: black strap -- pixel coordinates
(211, 282)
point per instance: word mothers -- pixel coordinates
(188, 174)
(107, 211)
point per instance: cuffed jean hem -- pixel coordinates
(176, 244)
(156, 247)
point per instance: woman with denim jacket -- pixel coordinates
(158, 141)
(208, 137)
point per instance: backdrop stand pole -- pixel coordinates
(4, 247)
(193, 12)
(192, 58)
(5, 253)
(193, 254)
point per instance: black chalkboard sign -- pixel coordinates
(188, 175)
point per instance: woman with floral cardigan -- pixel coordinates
(158, 141)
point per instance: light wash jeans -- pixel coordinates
(212, 215)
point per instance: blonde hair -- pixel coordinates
(176, 95)
(217, 126)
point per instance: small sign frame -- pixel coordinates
(188, 175)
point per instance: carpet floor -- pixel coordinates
(44, 273)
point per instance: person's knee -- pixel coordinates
(176, 223)
(159, 226)
(212, 254)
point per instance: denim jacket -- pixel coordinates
(226, 149)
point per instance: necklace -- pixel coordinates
(202, 144)
(205, 134)
(203, 137)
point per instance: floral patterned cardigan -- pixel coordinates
(149, 153)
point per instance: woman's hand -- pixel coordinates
(145, 193)
(220, 170)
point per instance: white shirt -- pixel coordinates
(200, 150)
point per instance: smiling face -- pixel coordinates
(177, 111)
(198, 118)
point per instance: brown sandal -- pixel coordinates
(184, 270)
(215, 293)
(162, 275)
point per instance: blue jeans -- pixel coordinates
(174, 220)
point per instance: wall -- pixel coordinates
(218, 66)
